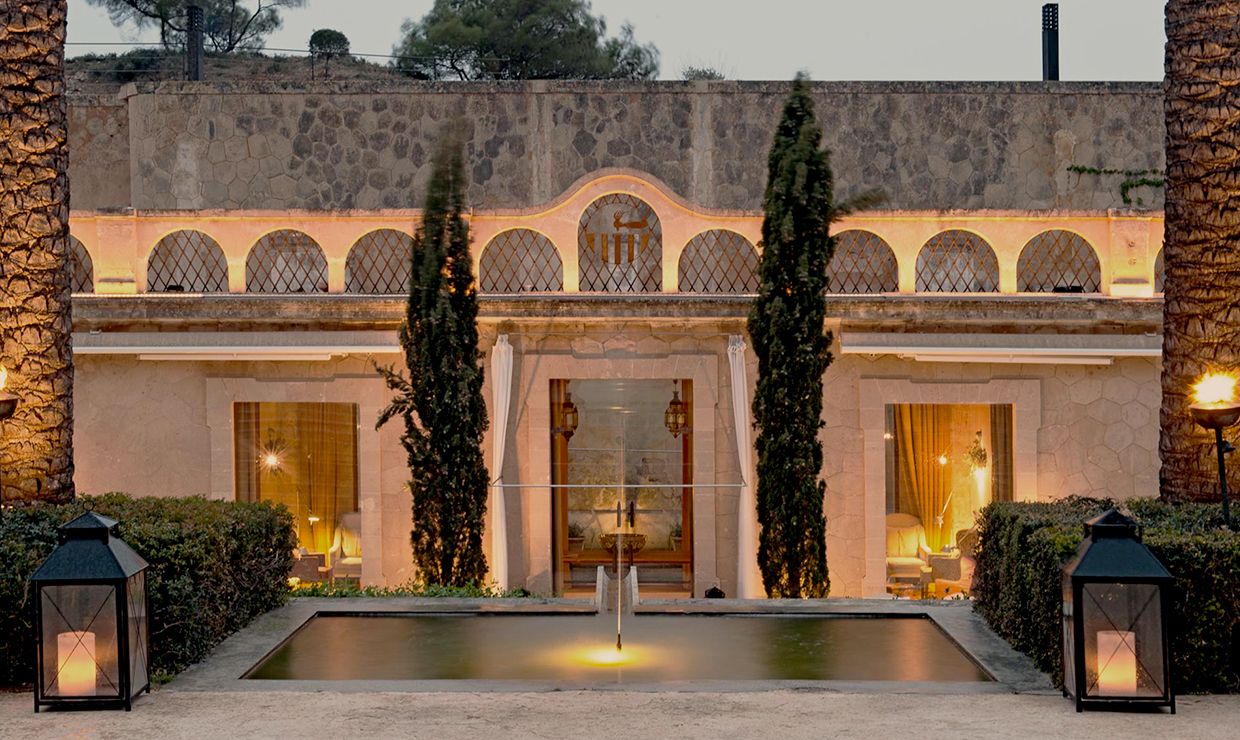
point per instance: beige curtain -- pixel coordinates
(922, 435)
(1001, 451)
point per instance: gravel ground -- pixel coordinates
(611, 714)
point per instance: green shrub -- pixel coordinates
(214, 566)
(1017, 586)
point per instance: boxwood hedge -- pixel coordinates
(214, 566)
(1017, 586)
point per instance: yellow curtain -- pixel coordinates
(922, 436)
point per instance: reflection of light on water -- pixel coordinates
(605, 656)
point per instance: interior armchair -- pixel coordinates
(953, 572)
(907, 552)
(345, 554)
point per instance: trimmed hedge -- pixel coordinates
(214, 567)
(1017, 587)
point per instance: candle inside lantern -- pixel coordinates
(75, 657)
(1117, 663)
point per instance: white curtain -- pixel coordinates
(501, 395)
(748, 578)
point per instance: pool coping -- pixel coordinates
(222, 670)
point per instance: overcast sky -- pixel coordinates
(772, 39)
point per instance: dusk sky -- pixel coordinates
(831, 39)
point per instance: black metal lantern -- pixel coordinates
(1116, 605)
(568, 417)
(91, 620)
(676, 417)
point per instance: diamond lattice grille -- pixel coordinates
(620, 246)
(520, 261)
(1160, 272)
(187, 261)
(286, 261)
(379, 263)
(718, 261)
(1058, 260)
(957, 262)
(83, 278)
(862, 263)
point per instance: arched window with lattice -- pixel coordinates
(379, 263)
(187, 261)
(957, 261)
(718, 261)
(1160, 272)
(520, 261)
(82, 267)
(863, 262)
(620, 246)
(1058, 261)
(286, 261)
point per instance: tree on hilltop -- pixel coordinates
(520, 40)
(228, 25)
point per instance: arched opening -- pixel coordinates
(82, 279)
(718, 261)
(1058, 261)
(620, 246)
(379, 263)
(187, 261)
(863, 262)
(286, 261)
(520, 261)
(957, 261)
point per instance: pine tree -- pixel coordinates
(441, 399)
(793, 349)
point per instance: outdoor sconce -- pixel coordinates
(8, 405)
(1116, 605)
(676, 417)
(91, 620)
(568, 417)
(1214, 407)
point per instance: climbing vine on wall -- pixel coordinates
(1132, 179)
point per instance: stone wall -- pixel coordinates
(98, 153)
(341, 146)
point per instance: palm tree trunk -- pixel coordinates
(36, 444)
(1201, 314)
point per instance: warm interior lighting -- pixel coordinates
(75, 663)
(1117, 662)
(1215, 389)
(270, 460)
(312, 519)
(943, 460)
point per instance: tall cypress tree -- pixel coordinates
(793, 349)
(441, 400)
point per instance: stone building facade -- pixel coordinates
(242, 248)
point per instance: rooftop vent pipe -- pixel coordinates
(1050, 41)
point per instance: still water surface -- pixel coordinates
(582, 648)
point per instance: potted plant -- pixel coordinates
(576, 538)
(676, 535)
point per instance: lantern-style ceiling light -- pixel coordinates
(1116, 611)
(1215, 408)
(568, 417)
(676, 417)
(91, 620)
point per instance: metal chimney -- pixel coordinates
(1050, 41)
(193, 43)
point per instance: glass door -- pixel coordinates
(622, 461)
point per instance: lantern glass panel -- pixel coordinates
(1123, 640)
(1069, 639)
(79, 642)
(136, 592)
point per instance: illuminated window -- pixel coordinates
(1058, 261)
(187, 261)
(380, 263)
(862, 263)
(520, 261)
(718, 261)
(302, 455)
(620, 246)
(957, 262)
(286, 261)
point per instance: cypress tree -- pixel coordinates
(441, 399)
(793, 349)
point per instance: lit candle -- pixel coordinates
(1117, 663)
(75, 655)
